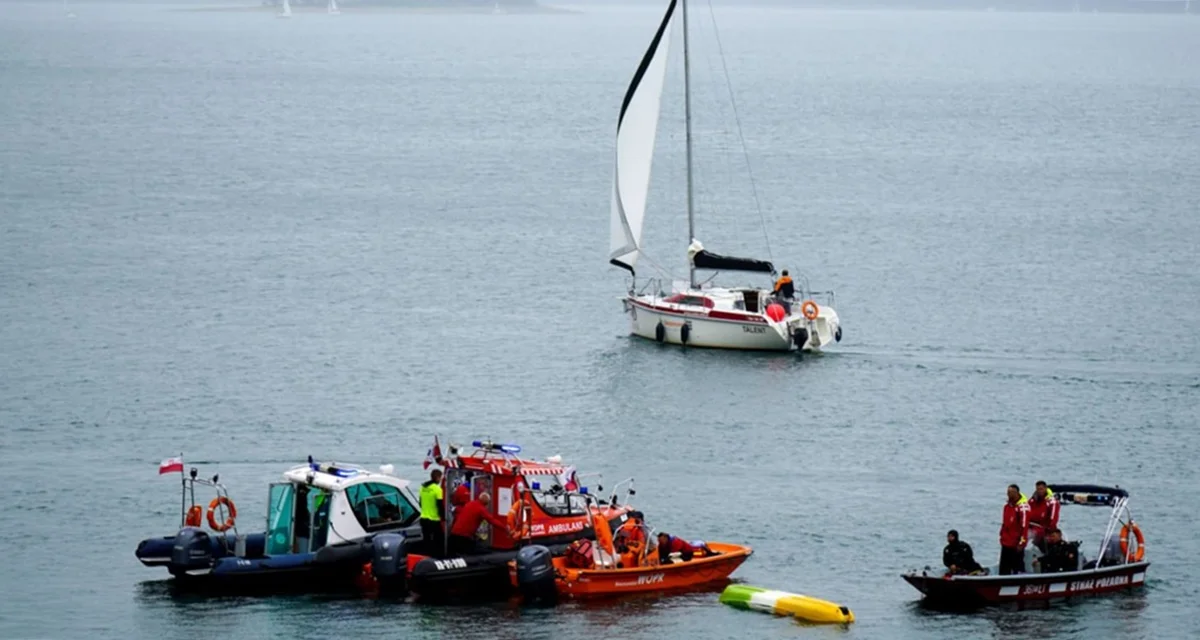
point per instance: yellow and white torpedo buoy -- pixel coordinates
(786, 604)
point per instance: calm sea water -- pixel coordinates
(251, 240)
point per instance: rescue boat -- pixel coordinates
(680, 575)
(322, 523)
(608, 569)
(1119, 564)
(543, 505)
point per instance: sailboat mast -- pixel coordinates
(687, 114)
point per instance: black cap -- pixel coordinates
(952, 532)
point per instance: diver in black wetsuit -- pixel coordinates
(958, 557)
(1060, 555)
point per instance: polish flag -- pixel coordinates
(171, 465)
(569, 480)
(434, 455)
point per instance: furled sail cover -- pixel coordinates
(636, 129)
(703, 259)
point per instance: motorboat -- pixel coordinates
(609, 571)
(542, 501)
(322, 519)
(695, 313)
(1119, 563)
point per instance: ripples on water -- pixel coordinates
(253, 241)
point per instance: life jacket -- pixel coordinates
(579, 554)
(779, 284)
(1014, 523)
(1044, 513)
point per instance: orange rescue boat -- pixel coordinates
(678, 575)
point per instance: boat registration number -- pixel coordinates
(748, 329)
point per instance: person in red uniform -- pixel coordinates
(1012, 532)
(467, 521)
(668, 544)
(1043, 514)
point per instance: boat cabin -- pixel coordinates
(557, 510)
(322, 504)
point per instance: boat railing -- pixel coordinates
(189, 496)
(1120, 508)
(654, 285)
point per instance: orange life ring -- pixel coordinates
(810, 309)
(212, 510)
(1141, 541)
(195, 516)
(518, 524)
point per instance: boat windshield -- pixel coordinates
(279, 518)
(380, 506)
(559, 504)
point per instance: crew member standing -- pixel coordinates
(432, 512)
(785, 290)
(1012, 532)
(1043, 514)
(466, 524)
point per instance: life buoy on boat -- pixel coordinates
(212, 513)
(1130, 527)
(195, 516)
(518, 524)
(810, 310)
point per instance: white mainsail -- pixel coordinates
(333, 8)
(287, 10)
(637, 127)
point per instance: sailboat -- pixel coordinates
(67, 10)
(286, 12)
(695, 314)
(333, 9)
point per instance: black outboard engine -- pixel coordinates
(192, 553)
(535, 575)
(800, 337)
(389, 562)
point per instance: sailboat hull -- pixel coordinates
(717, 329)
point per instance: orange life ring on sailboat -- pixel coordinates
(195, 516)
(810, 309)
(212, 513)
(1141, 541)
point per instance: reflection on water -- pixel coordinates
(1118, 613)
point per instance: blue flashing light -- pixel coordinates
(491, 446)
(583, 491)
(537, 486)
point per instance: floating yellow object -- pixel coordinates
(786, 604)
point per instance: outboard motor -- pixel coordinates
(389, 562)
(192, 553)
(535, 575)
(799, 337)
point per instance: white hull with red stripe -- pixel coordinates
(728, 328)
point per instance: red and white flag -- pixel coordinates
(434, 455)
(568, 479)
(171, 465)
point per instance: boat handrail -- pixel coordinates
(1120, 507)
